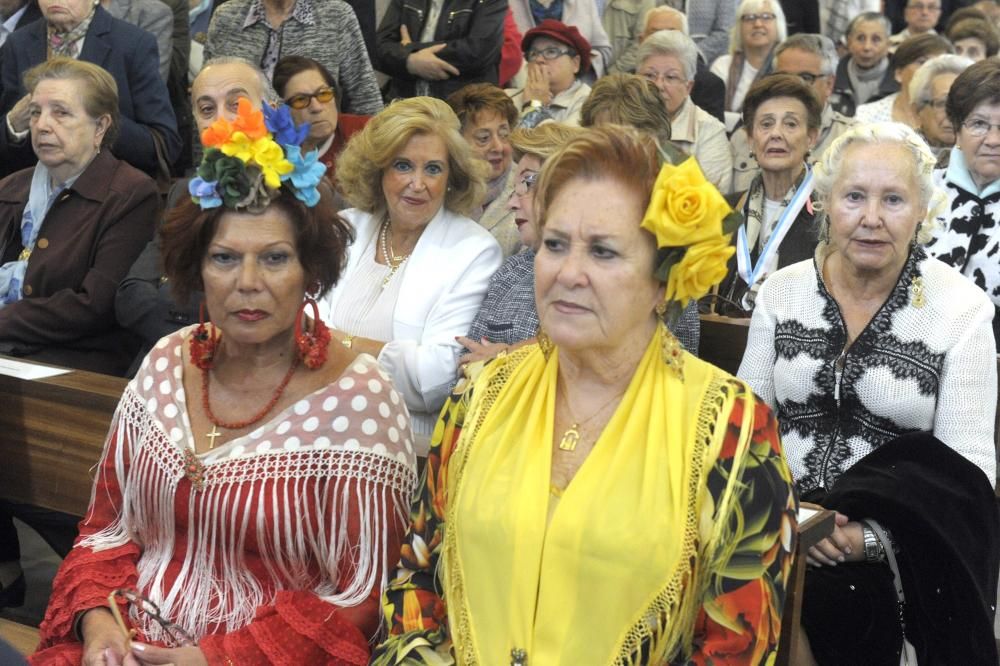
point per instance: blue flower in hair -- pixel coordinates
(204, 192)
(279, 121)
(309, 171)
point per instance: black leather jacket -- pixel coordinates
(472, 30)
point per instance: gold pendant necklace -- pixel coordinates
(572, 436)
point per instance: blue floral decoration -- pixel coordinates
(309, 171)
(204, 192)
(279, 121)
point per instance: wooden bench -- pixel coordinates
(52, 432)
(23, 638)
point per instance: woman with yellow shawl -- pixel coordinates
(602, 497)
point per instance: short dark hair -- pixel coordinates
(321, 240)
(782, 85)
(920, 46)
(979, 83)
(980, 29)
(291, 65)
(469, 101)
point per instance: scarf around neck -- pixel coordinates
(41, 196)
(866, 82)
(67, 42)
(619, 562)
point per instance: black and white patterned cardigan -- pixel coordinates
(930, 368)
(967, 232)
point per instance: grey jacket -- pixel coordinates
(709, 22)
(333, 39)
(152, 16)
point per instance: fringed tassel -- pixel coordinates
(298, 504)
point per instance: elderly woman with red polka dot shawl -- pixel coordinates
(254, 484)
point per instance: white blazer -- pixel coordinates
(444, 284)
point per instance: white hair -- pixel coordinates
(665, 9)
(831, 165)
(672, 43)
(752, 7)
(923, 78)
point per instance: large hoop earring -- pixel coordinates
(203, 342)
(312, 345)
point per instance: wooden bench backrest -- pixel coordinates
(52, 432)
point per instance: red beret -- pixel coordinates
(566, 34)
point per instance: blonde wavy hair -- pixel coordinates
(372, 150)
(831, 164)
(543, 140)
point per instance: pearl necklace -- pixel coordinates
(393, 261)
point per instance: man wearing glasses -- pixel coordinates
(921, 16)
(813, 58)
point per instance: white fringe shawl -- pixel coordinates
(297, 503)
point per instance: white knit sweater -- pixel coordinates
(929, 368)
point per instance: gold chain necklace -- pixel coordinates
(393, 261)
(571, 437)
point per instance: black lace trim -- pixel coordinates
(819, 418)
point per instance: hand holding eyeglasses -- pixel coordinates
(104, 644)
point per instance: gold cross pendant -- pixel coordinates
(570, 439)
(211, 437)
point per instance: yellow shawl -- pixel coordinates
(619, 562)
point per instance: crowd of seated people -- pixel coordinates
(416, 367)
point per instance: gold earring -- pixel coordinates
(544, 343)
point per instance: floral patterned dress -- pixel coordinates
(739, 617)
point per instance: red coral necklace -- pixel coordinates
(239, 425)
(194, 470)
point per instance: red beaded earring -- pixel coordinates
(203, 343)
(312, 346)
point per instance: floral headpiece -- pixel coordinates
(247, 160)
(693, 225)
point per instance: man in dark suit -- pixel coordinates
(16, 14)
(148, 128)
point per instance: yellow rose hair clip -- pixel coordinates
(693, 225)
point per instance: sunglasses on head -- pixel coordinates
(302, 100)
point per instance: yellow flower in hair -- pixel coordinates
(684, 208)
(703, 265)
(271, 159)
(240, 146)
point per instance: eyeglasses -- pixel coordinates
(979, 127)
(670, 79)
(939, 104)
(550, 53)
(527, 181)
(766, 17)
(302, 100)
(924, 8)
(177, 635)
(484, 137)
